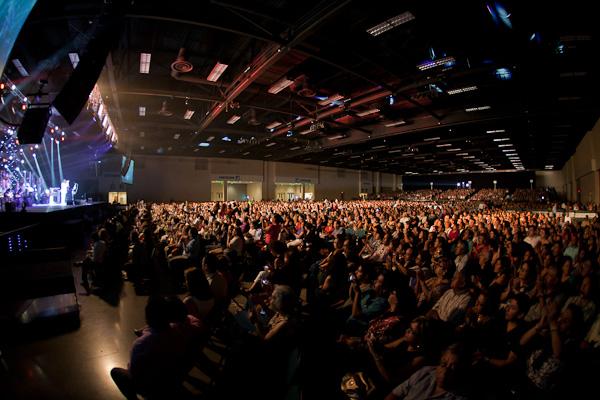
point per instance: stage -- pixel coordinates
(47, 208)
(48, 226)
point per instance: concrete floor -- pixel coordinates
(75, 364)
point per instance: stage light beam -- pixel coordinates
(60, 171)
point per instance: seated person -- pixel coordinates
(441, 382)
(452, 305)
(398, 359)
(154, 367)
(216, 281)
(499, 360)
(200, 300)
(370, 301)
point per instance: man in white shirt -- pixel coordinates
(451, 307)
(532, 237)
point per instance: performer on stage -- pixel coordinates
(64, 188)
(73, 192)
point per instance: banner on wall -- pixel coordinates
(237, 178)
(292, 179)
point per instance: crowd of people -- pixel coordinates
(456, 194)
(395, 299)
(494, 196)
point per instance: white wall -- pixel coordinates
(236, 191)
(158, 178)
(582, 171)
(216, 191)
(333, 181)
(255, 191)
(387, 183)
(165, 178)
(555, 179)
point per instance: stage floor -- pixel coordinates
(45, 208)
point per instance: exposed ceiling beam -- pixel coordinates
(271, 54)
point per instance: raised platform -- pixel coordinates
(46, 208)
(47, 226)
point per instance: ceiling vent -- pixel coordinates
(251, 115)
(164, 111)
(302, 88)
(181, 65)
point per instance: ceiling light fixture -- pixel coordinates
(273, 124)
(496, 131)
(280, 85)
(331, 99)
(481, 108)
(336, 137)
(368, 112)
(401, 122)
(142, 111)
(216, 72)
(436, 63)
(176, 136)
(210, 138)
(444, 145)
(504, 139)
(295, 148)
(462, 90)
(188, 114)
(431, 139)
(271, 144)
(233, 119)
(391, 23)
(145, 63)
(203, 144)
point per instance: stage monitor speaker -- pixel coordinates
(34, 124)
(74, 95)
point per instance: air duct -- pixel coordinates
(164, 111)
(251, 115)
(302, 88)
(181, 65)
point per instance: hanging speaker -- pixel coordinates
(34, 124)
(74, 95)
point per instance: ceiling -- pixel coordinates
(531, 67)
